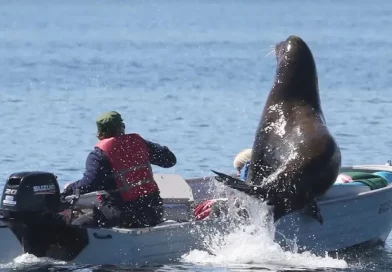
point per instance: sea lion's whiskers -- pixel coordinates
(270, 52)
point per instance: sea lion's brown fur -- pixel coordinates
(294, 157)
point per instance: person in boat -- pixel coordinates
(120, 165)
(241, 163)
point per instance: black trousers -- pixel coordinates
(146, 211)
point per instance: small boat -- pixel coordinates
(347, 208)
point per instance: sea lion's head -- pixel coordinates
(293, 51)
(296, 69)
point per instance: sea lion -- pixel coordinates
(294, 157)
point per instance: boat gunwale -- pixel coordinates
(363, 167)
(366, 168)
(175, 224)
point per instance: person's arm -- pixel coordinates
(160, 155)
(93, 176)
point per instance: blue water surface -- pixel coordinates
(190, 74)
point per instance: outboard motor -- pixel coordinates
(29, 194)
(30, 207)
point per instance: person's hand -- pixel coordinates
(203, 210)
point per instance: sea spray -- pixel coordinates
(237, 241)
(28, 260)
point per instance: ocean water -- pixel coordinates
(192, 75)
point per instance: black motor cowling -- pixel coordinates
(30, 208)
(30, 193)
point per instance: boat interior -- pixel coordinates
(180, 196)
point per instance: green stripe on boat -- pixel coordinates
(373, 181)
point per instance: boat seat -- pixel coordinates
(175, 192)
(174, 189)
(177, 197)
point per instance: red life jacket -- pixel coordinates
(129, 158)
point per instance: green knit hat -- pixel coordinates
(109, 123)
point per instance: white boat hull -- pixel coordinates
(348, 222)
(353, 216)
(361, 217)
(159, 245)
(136, 247)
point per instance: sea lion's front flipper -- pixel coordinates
(313, 210)
(239, 185)
(231, 181)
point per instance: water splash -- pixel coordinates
(287, 160)
(279, 125)
(28, 260)
(251, 243)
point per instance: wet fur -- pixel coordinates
(314, 170)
